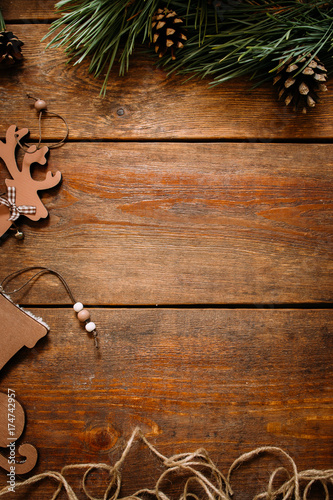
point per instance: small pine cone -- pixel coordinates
(301, 88)
(10, 48)
(168, 32)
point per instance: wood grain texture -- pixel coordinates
(189, 378)
(184, 223)
(149, 101)
(14, 10)
(172, 194)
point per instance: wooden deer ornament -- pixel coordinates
(23, 197)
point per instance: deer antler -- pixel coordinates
(33, 155)
(38, 156)
(7, 149)
(50, 180)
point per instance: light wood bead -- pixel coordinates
(90, 327)
(83, 315)
(78, 306)
(40, 105)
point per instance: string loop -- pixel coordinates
(26, 146)
(42, 270)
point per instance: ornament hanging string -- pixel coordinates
(83, 314)
(199, 470)
(42, 270)
(41, 107)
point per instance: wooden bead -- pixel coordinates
(90, 327)
(83, 315)
(78, 306)
(40, 105)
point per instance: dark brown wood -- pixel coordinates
(145, 104)
(181, 195)
(184, 223)
(228, 380)
(33, 10)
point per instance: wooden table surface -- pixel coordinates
(196, 225)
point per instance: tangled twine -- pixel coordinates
(206, 475)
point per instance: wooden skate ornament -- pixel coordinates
(23, 197)
(8, 437)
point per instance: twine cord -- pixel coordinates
(213, 483)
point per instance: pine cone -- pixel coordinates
(168, 32)
(301, 88)
(10, 48)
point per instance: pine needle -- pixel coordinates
(2, 22)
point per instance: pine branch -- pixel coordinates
(98, 28)
(241, 37)
(2, 22)
(256, 39)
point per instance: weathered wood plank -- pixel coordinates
(228, 380)
(146, 104)
(181, 223)
(14, 10)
